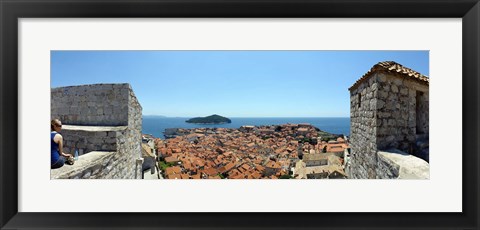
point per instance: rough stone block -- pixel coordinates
(100, 134)
(386, 87)
(398, 81)
(369, 95)
(394, 88)
(390, 138)
(364, 91)
(382, 94)
(87, 174)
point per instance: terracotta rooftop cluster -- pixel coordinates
(249, 152)
(337, 146)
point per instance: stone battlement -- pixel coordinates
(92, 138)
(97, 104)
(101, 121)
(89, 166)
(400, 165)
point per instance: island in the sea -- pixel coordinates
(212, 119)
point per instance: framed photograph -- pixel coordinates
(267, 128)
(247, 91)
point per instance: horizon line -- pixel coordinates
(150, 115)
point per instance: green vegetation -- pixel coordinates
(286, 177)
(327, 136)
(312, 141)
(221, 176)
(305, 139)
(164, 165)
(213, 119)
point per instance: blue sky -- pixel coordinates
(231, 83)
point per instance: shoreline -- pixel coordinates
(174, 132)
(156, 126)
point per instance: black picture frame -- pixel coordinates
(11, 11)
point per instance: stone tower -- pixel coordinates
(388, 111)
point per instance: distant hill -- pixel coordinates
(155, 116)
(213, 119)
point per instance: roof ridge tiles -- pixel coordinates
(391, 66)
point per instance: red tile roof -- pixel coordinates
(392, 67)
(210, 171)
(239, 176)
(171, 159)
(173, 170)
(256, 175)
(227, 167)
(196, 176)
(174, 176)
(260, 168)
(272, 164)
(147, 151)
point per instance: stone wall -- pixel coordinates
(384, 115)
(98, 104)
(133, 138)
(395, 164)
(102, 117)
(363, 129)
(91, 138)
(397, 112)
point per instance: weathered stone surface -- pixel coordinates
(390, 138)
(386, 87)
(84, 164)
(400, 165)
(380, 104)
(381, 77)
(89, 138)
(382, 94)
(397, 81)
(91, 104)
(394, 88)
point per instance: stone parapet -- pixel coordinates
(395, 164)
(90, 138)
(89, 166)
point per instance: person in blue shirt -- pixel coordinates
(58, 157)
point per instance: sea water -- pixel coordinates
(155, 125)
